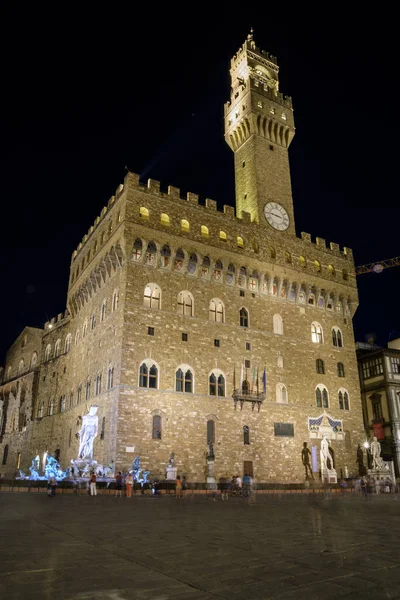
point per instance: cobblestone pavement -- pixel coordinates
(108, 548)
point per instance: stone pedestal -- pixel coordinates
(329, 476)
(171, 473)
(381, 477)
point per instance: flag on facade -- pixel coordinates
(234, 377)
(241, 377)
(254, 378)
(264, 380)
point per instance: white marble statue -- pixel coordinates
(377, 462)
(87, 433)
(325, 455)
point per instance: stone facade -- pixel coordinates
(196, 294)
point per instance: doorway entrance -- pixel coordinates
(248, 468)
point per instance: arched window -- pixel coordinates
(279, 361)
(302, 262)
(21, 365)
(151, 254)
(217, 311)
(288, 257)
(243, 317)
(319, 366)
(331, 271)
(184, 379)
(343, 399)
(62, 404)
(103, 310)
(246, 435)
(40, 410)
(345, 275)
(316, 333)
(272, 252)
(84, 329)
(152, 296)
(204, 231)
(242, 277)
(340, 369)
(164, 219)
(185, 225)
(218, 268)
(103, 428)
(98, 384)
(87, 390)
(240, 242)
(51, 407)
(137, 250)
(281, 393)
(216, 383)
(110, 377)
(222, 236)
(71, 399)
(77, 337)
(156, 432)
(144, 213)
(115, 300)
(337, 339)
(57, 348)
(321, 396)
(317, 266)
(67, 344)
(148, 374)
(245, 388)
(278, 324)
(34, 360)
(210, 431)
(5, 454)
(185, 304)
(93, 321)
(47, 352)
(79, 394)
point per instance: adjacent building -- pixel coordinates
(187, 325)
(379, 370)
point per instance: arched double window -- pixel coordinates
(317, 335)
(137, 250)
(51, 407)
(40, 410)
(115, 300)
(110, 377)
(321, 396)
(340, 369)
(57, 348)
(98, 384)
(79, 394)
(152, 296)
(337, 338)
(343, 396)
(62, 404)
(67, 344)
(148, 374)
(185, 304)
(47, 352)
(277, 324)
(319, 366)
(216, 383)
(184, 379)
(87, 390)
(243, 317)
(217, 311)
(156, 429)
(34, 360)
(281, 393)
(151, 254)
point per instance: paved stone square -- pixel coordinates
(143, 548)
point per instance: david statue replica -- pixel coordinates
(87, 433)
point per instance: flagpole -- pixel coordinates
(257, 382)
(234, 377)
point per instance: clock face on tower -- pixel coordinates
(276, 216)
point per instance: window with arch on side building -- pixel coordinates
(216, 383)
(148, 374)
(321, 396)
(217, 310)
(210, 431)
(243, 317)
(277, 324)
(103, 310)
(34, 360)
(185, 304)
(343, 397)
(320, 366)
(51, 407)
(156, 428)
(337, 338)
(115, 300)
(152, 296)
(246, 435)
(184, 379)
(67, 344)
(47, 354)
(317, 335)
(110, 377)
(340, 369)
(98, 384)
(57, 348)
(281, 393)
(40, 411)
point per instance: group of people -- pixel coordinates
(236, 486)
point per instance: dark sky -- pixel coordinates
(85, 94)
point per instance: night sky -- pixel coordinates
(86, 95)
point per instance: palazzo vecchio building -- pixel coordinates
(186, 325)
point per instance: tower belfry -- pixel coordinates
(259, 127)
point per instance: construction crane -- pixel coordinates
(377, 267)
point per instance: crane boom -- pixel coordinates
(377, 267)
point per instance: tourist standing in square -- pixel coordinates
(129, 485)
(118, 484)
(93, 490)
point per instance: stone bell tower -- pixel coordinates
(259, 127)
